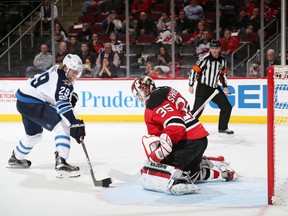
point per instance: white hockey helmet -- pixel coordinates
(73, 62)
(142, 88)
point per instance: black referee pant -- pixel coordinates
(202, 93)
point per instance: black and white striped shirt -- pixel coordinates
(209, 70)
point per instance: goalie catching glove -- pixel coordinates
(157, 148)
(77, 130)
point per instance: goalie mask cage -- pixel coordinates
(277, 131)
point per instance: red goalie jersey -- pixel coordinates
(167, 111)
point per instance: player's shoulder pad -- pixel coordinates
(53, 69)
(157, 97)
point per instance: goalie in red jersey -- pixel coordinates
(176, 142)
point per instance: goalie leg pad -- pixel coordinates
(215, 169)
(166, 179)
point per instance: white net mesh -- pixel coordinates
(280, 135)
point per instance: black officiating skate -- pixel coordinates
(64, 169)
(16, 163)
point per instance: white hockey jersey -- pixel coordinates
(50, 87)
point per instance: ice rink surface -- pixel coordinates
(114, 149)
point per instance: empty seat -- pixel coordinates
(187, 50)
(188, 61)
(93, 9)
(136, 72)
(134, 49)
(150, 50)
(122, 38)
(146, 39)
(96, 28)
(185, 37)
(86, 19)
(133, 60)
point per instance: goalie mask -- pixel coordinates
(142, 88)
(73, 62)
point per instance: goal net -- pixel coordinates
(277, 127)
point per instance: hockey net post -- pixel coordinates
(277, 134)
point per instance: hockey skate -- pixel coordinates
(183, 185)
(16, 163)
(226, 131)
(64, 169)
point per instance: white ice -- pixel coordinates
(117, 146)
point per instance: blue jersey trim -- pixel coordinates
(27, 99)
(63, 145)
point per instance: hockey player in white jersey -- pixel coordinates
(47, 101)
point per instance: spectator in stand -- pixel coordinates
(95, 45)
(145, 25)
(57, 41)
(86, 53)
(271, 59)
(74, 46)
(111, 23)
(59, 28)
(194, 12)
(107, 69)
(139, 6)
(197, 35)
(163, 24)
(183, 25)
(270, 13)
(151, 71)
(132, 22)
(117, 45)
(42, 62)
(163, 57)
(87, 4)
(255, 69)
(228, 44)
(63, 51)
(203, 45)
(248, 6)
(87, 68)
(241, 23)
(177, 70)
(254, 21)
(148, 68)
(85, 34)
(110, 54)
(45, 14)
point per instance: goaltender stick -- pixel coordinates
(176, 143)
(46, 101)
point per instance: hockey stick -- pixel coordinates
(206, 102)
(98, 183)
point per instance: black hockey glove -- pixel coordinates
(77, 130)
(74, 99)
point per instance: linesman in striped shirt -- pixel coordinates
(209, 71)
